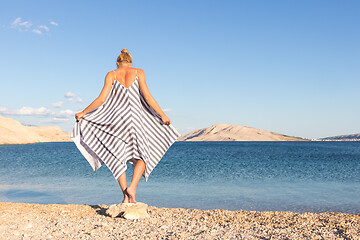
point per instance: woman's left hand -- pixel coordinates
(165, 120)
(79, 115)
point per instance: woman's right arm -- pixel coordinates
(100, 99)
(149, 98)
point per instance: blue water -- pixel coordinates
(271, 176)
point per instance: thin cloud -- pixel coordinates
(44, 27)
(167, 110)
(79, 100)
(56, 120)
(37, 31)
(21, 25)
(40, 112)
(57, 104)
(69, 95)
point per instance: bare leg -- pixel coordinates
(123, 185)
(138, 171)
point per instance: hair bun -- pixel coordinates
(124, 50)
(124, 56)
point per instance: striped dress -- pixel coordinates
(124, 128)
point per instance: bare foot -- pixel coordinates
(131, 193)
(126, 196)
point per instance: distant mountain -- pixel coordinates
(13, 132)
(350, 137)
(230, 132)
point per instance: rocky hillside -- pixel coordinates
(350, 137)
(13, 132)
(230, 132)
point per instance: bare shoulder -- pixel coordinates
(141, 73)
(139, 70)
(110, 73)
(110, 76)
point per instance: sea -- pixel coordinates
(306, 176)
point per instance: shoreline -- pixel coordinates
(312, 140)
(80, 221)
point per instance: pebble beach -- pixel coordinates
(70, 221)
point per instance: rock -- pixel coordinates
(128, 210)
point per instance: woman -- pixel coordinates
(124, 123)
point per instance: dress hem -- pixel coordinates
(94, 160)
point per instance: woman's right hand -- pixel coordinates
(79, 115)
(166, 120)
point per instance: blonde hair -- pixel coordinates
(124, 56)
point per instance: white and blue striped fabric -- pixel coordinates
(124, 128)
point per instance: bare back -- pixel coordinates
(125, 75)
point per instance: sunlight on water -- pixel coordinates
(282, 176)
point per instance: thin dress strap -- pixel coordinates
(115, 76)
(136, 72)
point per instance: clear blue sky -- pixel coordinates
(290, 67)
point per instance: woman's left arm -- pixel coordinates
(100, 99)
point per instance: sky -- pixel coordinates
(290, 67)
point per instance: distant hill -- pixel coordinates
(13, 132)
(350, 137)
(230, 132)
